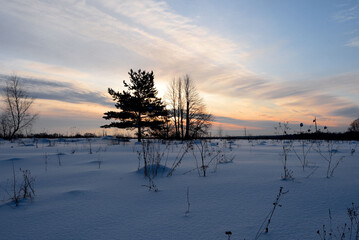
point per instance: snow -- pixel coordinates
(102, 195)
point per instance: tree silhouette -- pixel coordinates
(140, 108)
(188, 112)
(354, 126)
(16, 116)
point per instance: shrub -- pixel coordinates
(23, 190)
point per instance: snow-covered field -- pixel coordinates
(101, 195)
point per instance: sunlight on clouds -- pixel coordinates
(157, 16)
(230, 127)
(59, 109)
(54, 71)
(41, 70)
(56, 82)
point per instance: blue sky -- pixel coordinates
(296, 37)
(255, 63)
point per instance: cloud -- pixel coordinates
(60, 91)
(147, 28)
(173, 44)
(246, 123)
(354, 42)
(350, 12)
(351, 111)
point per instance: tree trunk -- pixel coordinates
(175, 119)
(187, 120)
(139, 133)
(182, 128)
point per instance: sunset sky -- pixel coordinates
(255, 63)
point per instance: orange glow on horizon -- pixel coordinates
(55, 108)
(230, 126)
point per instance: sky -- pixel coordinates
(255, 63)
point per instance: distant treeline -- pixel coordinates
(310, 136)
(57, 135)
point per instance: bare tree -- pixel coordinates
(197, 119)
(4, 124)
(354, 126)
(173, 100)
(189, 115)
(191, 96)
(180, 105)
(16, 116)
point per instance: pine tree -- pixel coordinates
(140, 108)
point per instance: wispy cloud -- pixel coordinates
(354, 42)
(347, 14)
(250, 124)
(61, 91)
(351, 111)
(148, 28)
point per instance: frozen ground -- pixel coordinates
(101, 195)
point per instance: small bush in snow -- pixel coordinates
(204, 156)
(45, 158)
(353, 147)
(228, 233)
(346, 231)
(268, 218)
(151, 185)
(188, 203)
(23, 190)
(27, 187)
(305, 146)
(178, 160)
(287, 146)
(90, 145)
(329, 156)
(59, 154)
(151, 155)
(353, 214)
